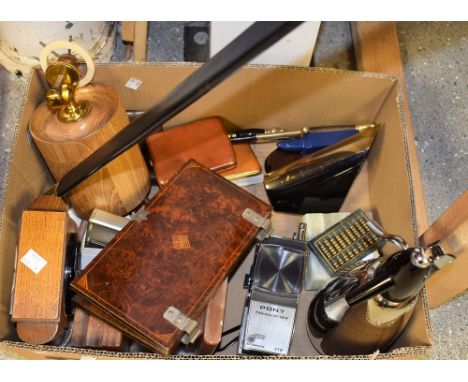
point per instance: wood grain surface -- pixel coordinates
(38, 307)
(39, 333)
(48, 203)
(128, 31)
(118, 187)
(452, 231)
(91, 332)
(213, 320)
(38, 296)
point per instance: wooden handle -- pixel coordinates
(213, 321)
(451, 229)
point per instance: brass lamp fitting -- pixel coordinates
(63, 78)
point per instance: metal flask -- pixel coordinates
(366, 311)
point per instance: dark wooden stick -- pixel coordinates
(249, 44)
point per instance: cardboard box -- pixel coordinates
(256, 96)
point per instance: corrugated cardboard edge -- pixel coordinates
(407, 352)
(404, 126)
(10, 159)
(14, 138)
(354, 73)
(51, 352)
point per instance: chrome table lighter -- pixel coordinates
(274, 287)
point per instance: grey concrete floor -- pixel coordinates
(435, 56)
(435, 61)
(436, 70)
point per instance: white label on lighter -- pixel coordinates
(133, 83)
(269, 328)
(34, 261)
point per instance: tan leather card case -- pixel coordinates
(247, 163)
(205, 141)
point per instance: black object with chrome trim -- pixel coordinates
(367, 310)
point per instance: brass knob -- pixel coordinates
(63, 78)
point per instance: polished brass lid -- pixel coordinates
(63, 77)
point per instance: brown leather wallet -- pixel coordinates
(205, 141)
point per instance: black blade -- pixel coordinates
(249, 44)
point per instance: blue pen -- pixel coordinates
(315, 140)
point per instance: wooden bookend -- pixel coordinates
(38, 306)
(91, 332)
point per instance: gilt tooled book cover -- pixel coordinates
(191, 237)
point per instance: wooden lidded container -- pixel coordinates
(72, 124)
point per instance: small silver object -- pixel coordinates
(270, 309)
(102, 228)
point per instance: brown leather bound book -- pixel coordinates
(155, 278)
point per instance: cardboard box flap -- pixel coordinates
(18, 350)
(278, 103)
(390, 187)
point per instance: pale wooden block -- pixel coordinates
(128, 31)
(140, 41)
(38, 291)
